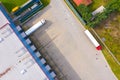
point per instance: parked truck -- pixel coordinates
(93, 40)
(35, 27)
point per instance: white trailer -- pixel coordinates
(93, 40)
(35, 27)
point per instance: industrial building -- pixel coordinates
(19, 58)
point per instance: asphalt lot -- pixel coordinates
(64, 39)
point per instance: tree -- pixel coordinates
(85, 12)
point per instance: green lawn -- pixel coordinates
(96, 3)
(45, 2)
(10, 4)
(110, 30)
(114, 66)
(112, 63)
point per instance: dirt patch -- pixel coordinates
(110, 30)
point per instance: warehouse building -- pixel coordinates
(19, 58)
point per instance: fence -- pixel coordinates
(75, 12)
(106, 47)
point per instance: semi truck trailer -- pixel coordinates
(35, 27)
(93, 40)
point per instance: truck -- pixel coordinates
(93, 40)
(35, 27)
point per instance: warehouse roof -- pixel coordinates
(18, 60)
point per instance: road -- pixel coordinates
(64, 39)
